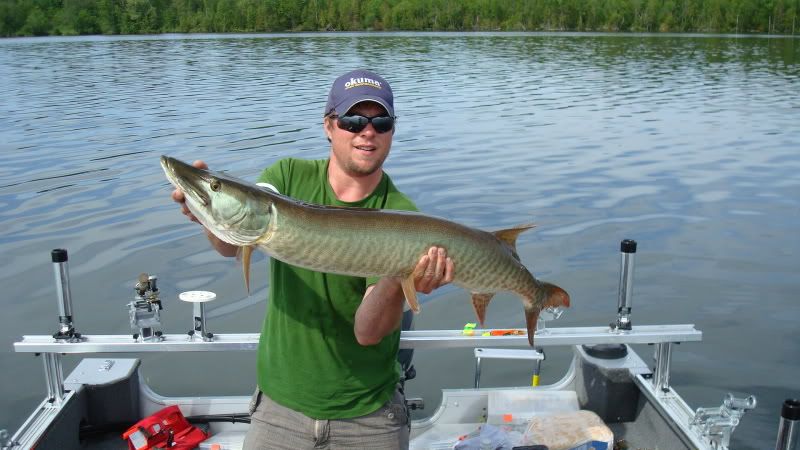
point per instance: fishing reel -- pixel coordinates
(145, 310)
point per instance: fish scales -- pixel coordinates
(354, 242)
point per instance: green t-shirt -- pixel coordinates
(308, 356)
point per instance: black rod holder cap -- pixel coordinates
(59, 255)
(627, 246)
(791, 409)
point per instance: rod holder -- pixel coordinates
(789, 426)
(66, 330)
(198, 300)
(625, 300)
(145, 310)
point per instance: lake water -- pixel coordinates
(688, 144)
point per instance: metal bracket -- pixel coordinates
(54, 378)
(417, 339)
(502, 353)
(717, 424)
(663, 359)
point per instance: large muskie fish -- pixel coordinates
(360, 242)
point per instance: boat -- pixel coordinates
(607, 381)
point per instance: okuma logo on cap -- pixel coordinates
(362, 81)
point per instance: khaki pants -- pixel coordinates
(273, 426)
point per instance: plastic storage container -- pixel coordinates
(444, 436)
(565, 431)
(517, 407)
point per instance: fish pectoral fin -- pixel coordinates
(479, 303)
(410, 291)
(245, 253)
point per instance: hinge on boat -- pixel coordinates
(414, 404)
(717, 424)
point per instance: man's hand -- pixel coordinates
(381, 310)
(433, 270)
(178, 197)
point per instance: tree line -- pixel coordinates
(82, 17)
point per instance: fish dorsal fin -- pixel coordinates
(509, 235)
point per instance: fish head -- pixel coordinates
(237, 212)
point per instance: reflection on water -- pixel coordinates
(686, 143)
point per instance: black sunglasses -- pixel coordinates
(355, 123)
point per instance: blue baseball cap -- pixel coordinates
(359, 86)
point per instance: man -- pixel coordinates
(327, 370)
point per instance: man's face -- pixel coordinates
(362, 153)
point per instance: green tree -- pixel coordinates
(37, 23)
(38, 17)
(12, 17)
(139, 16)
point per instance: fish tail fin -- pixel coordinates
(531, 317)
(479, 303)
(548, 295)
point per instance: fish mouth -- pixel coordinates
(187, 178)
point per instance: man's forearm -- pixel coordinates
(381, 309)
(380, 312)
(222, 247)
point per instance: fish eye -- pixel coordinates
(215, 185)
